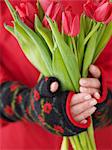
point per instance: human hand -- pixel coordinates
(91, 85)
(83, 104)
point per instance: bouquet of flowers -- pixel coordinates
(62, 44)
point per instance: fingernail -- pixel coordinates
(82, 89)
(93, 102)
(84, 122)
(87, 97)
(97, 95)
(82, 81)
(92, 110)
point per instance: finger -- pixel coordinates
(54, 87)
(97, 95)
(95, 71)
(90, 82)
(80, 97)
(91, 91)
(83, 121)
(85, 114)
(79, 108)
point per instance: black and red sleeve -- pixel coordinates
(103, 115)
(18, 102)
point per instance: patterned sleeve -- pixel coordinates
(103, 115)
(39, 105)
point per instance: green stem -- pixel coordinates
(88, 142)
(90, 131)
(82, 138)
(75, 49)
(77, 142)
(91, 33)
(64, 145)
(74, 146)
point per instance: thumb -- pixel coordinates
(95, 71)
(54, 86)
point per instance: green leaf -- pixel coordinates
(12, 10)
(80, 43)
(30, 49)
(100, 33)
(44, 32)
(60, 71)
(67, 56)
(89, 24)
(103, 41)
(10, 29)
(42, 49)
(41, 13)
(94, 29)
(89, 54)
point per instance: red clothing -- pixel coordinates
(15, 66)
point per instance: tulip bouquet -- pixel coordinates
(62, 44)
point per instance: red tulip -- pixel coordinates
(101, 11)
(45, 4)
(27, 11)
(77, 5)
(54, 11)
(70, 23)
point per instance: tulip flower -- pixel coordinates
(45, 4)
(104, 13)
(70, 23)
(26, 11)
(54, 11)
(77, 6)
(101, 11)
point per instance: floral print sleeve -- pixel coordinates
(103, 115)
(39, 105)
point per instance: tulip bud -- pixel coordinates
(70, 23)
(54, 11)
(27, 11)
(101, 11)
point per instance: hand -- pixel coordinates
(91, 85)
(82, 104)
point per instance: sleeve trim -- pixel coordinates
(70, 115)
(104, 86)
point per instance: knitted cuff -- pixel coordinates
(104, 86)
(51, 114)
(44, 86)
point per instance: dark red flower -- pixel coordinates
(8, 110)
(75, 4)
(99, 10)
(36, 95)
(58, 128)
(13, 87)
(27, 11)
(47, 108)
(19, 99)
(70, 23)
(41, 119)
